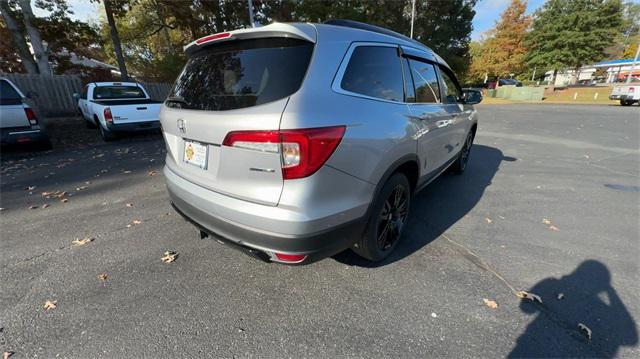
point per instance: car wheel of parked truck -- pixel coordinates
(106, 134)
(626, 103)
(299, 141)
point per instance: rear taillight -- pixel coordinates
(31, 116)
(303, 151)
(108, 117)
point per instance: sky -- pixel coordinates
(487, 12)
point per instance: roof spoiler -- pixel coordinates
(304, 32)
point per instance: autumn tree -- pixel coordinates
(572, 33)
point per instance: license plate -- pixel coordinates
(196, 154)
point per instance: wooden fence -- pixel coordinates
(53, 95)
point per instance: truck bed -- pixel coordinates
(142, 101)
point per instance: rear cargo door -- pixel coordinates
(11, 109)
(240, 85)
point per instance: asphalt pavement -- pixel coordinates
(549, 205)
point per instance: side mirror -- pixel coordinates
(76, 96)
(472, 96)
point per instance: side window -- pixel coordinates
(451, 90)
(426, 82)
(84, 92)
(409, 90)
(375, 71)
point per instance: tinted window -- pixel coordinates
(426, 82)
(84, 92)
(409, 90)
(117, 92)
(374, 71)
(8, 95)
(451, 90)
(241, 74)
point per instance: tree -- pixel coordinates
(117, 7)
(41, 55)
(572, 33)
(503, 52)
(444, 26)
(9, 57)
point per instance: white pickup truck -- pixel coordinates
(627, 94)
(118, 107)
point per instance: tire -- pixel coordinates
(461, 162)
(106, 135)
(385, 225)
(626, 103)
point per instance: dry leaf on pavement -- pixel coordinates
(126, 172)
(554, 228)
(560, 296)
(526, 295)
(6, 355)
(586, 330)
(169, 257)
(490, 303)
(488, 220)
(45, 205)
(81, 188)
(48, 305)
(82, 242)
(151, 173)
(30, 188)
(136, 221)
(64, 200)
(129, 204)
(103, 276)
(546, 221)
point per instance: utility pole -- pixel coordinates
(633, 65)
(413, 14)
(250, 2)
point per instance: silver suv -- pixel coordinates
(297, 141)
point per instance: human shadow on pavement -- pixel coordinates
(440, 205)
(582, 297)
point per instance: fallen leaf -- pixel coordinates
(44, 194)
(48, 305)
(546, 221)
(82, 242)
(136, 221)
(554, 228)
(501, 217)
(45, 205)
(151, 173)
(586, 330)
(526, 295)
(434, 315)
(128, 226)
(30, 188)
(488, 220)
(64, 200)
(6, 355)
(129, 204)
(34, 207)
(81, 188)
(87, 182)
(490, 303)
(1, 209)
(169, 257)
(126, 172)
(560, 296)
(103, 276)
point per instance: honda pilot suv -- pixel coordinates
(297, 141)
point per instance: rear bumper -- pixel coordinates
(22, 135)
(134, 126)
(188, 202)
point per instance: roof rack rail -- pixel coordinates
(372, 28)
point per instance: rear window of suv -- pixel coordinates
(241, 74)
